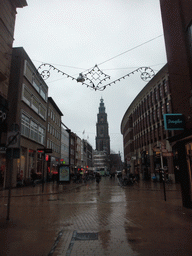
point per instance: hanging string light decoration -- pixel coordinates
(95, 77)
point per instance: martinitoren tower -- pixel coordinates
(102, 138)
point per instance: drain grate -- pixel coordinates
(81, 237)
(86, 236)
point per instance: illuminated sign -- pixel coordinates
(174, 122)
(64, 173)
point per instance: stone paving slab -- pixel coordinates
(131, 221)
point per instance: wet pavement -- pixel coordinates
(91, 219)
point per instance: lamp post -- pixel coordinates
(95, 78)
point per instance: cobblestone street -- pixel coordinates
(91, 219)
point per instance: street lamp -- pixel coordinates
(95, 78)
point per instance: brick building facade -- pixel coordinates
(177, 25)
(7, 25)
(143, 129)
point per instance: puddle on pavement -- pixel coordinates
(115, 199)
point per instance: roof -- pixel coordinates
(20, 3)
(50, 99)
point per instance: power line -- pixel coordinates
(108, 59)
(130, 49)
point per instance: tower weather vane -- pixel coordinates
(95, 78)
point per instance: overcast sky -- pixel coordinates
(74, 35)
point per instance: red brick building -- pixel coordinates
(177, 25)
(143, 129)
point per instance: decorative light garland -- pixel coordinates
(95, 76)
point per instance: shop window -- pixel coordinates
(39, 164)
(31, 161)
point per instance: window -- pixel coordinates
(35, 85)
(25, 125)
(160, 91)
(34, 131)
(147, 101)
(165, 86)
(42, 111)
(26, 95)
(155, 94)
(28, 71)
(162, 110)
(151, 99)
(158, 115)
(41, 135)
(35, 104)
(190, 39)
(167, 106)
(43, 94)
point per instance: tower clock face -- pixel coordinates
(101, 119)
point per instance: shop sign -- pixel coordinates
(44, 150)
(174, 122)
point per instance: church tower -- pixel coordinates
(102, 138)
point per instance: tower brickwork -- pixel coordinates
(102, 138)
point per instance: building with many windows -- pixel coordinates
(86, 155)
(143, 130)
(28, 95)
(77, 152)
(101, 161)
(177, 26)
(72, 149)
(7, 25)
(53, 136)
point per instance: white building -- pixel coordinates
(64, 146)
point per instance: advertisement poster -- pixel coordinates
(64, 174)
